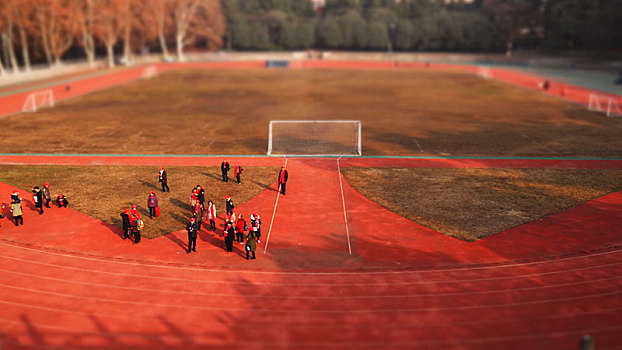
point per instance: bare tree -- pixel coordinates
(21, 13)
(155, 20)
(2, 9)
(195, 19)
(57, 27)
(85, 16)
(9, 31)
(109, 26)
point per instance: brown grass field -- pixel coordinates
(471, 204)
(403, 112)
(103, 192)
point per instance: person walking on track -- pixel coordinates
(229, 235)
(16, 209)
(283, 175)
(191, 227)
(240, 228)
(198, 213)
(229, 205)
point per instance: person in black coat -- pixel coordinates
(38, 199)
(201, 195)
(163, 179)
(224, 168)
(229, 205)
(191, 227)
(62, 201)
(283, 179)
(125, 217)
(229, 235)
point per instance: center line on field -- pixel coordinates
(343, 202)
(278, 193)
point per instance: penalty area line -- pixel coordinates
(343, 202)
(278, 193)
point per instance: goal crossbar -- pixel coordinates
(604, 104)
(314, 137)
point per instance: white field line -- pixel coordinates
(278, 193)
(343, 202)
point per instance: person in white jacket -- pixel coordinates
(211, 215)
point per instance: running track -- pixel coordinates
(69, 281)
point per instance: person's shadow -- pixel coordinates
(173, 238)
(149, 184)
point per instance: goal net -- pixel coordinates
(150, 71)
(315, 137)
(604, 104)
(38, 100)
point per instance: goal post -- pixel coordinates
(315, 137)
(150, 71)
(38, 100)
(604, 104)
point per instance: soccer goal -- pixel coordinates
(315, 137)
(38, 100)
(484, 73)
(150, 71)
(604, 104)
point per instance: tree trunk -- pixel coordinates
(127, 47)
(11, 47)
(161, 36)
(25, 51)
(89, 47)
(44, 41)
(179, 40)
(110, 51)
(2, 72)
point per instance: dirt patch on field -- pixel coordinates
(474, 203)
(103, 191)
(403, 112)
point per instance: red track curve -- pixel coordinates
(69, 281)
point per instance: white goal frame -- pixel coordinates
(150, 71)
(604, 104)
(359, 149)
(484, 73)
(38, 100)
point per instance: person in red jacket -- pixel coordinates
(283, 179)
(134, 214)
(237, 172)
(240, 229)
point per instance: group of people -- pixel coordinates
(39, 196)
(237, 171)
(132, 224)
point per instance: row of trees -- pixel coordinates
(450, 25)
(49, 28)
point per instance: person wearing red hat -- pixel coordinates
(163, 179)
(191, 227)
(62, 201)
(46, 194)
(134, 213)
(229, 205)
(283, 179)
(211, 214)
(201, 195)
(229, 235)
(38, 199)
(16, 209)
(152, 203)
(198, 214)
(237, 172)
(256, 226)
(193, 198)
(240, 229)
(125, 217)
(224, 169)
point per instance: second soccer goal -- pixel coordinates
(315, 137)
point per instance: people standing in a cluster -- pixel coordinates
(46, 194)
(256, 226)
(136, 223)
(200, 195)
(237, 172)
(16, 209)
(229, 205)
(211, 215)
(37, 197)
(198, 213)
(283, 175)
(163, 179)
(62, 201)
(251, 244)
(134, 213)
(229, 234)
(240, 228)
(191, 227)
(224, 169)
(152, 204)
(125, 217)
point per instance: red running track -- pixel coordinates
(69, 281)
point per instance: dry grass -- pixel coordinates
(404, 112)
(474, 203)
(103, 191)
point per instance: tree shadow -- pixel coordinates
(181, 219)
(267, 187)
(213, 176)
(176, 202)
